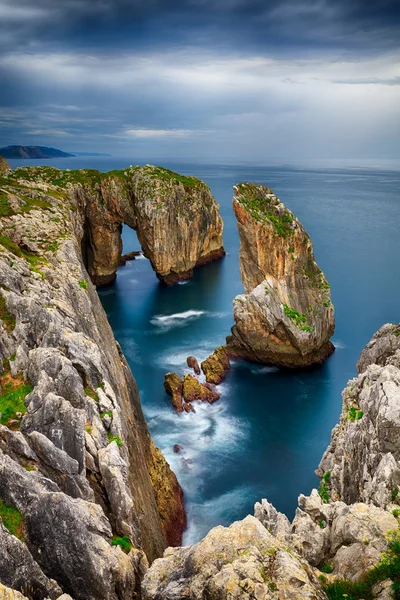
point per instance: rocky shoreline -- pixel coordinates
(88, 504)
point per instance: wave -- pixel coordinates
(339, 345)
(166, 322)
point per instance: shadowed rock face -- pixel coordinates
(78, 468)
(286, 316)
(176, 218)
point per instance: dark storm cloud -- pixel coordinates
(193, 76)
(241, 25)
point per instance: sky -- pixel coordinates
(205, 79)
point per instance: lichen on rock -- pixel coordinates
(285, 317)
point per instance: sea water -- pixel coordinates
(267, 433)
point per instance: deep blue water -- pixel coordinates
(266, 435)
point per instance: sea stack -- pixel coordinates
(285, 317)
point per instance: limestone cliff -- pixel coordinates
(80, 480)
(286, 316)
(363, 458)
(176, 218)
(344, 541)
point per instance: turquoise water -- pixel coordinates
(266, 435)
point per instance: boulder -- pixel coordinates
(192, 363)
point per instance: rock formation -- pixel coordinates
(344, 541)
(86, 500)
(286, 316)
(216, 365)
(363, 458)
(176, 218)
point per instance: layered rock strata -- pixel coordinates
(82, 486)
(176, 218)
(285, 317)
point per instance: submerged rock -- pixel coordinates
(286, 316)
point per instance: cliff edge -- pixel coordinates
(81, 484)
(286, 316)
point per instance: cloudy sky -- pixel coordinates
(237, 79)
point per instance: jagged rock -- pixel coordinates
(192, 363)
(174, 387)
(216, 365)
(7, 593)
(169, 497)
(363, 458)
(276, 523)
(73, 488)
(286, 316)
(241, 561)
(129, 256)
(4, 166)
(383, 346)
(187, 407)
(20, 571)
(194, 390)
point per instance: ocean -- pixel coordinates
(265, 436)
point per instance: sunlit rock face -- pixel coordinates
(285, 317)
(176, 218)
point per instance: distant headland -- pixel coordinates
(33, 152)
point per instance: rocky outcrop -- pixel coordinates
(344, 541)
(194, 390)
(174, 387)
(363, 458)
(193, 363)
(79, 473)
(216, 366)
(237, 562)
(4, 166)
(286, 316)
(176, 217)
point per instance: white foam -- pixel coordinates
(339, 345)
(204, 516)
(163, 320)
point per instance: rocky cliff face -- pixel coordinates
(364, 455)
(344, 541)
(285, 316)
(176, 218)
(81, 483)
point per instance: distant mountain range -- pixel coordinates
(32, 152)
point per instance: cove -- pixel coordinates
(266, 435)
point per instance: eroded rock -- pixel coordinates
(285, 317)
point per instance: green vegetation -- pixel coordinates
(53, 247)
(388, 568)
(395, 493)
(107, 413)
(261, 203)
(396, 512)
(5, 208)
(14, 390)
(322, 523)
(114, 438)
(353, 414)
(323, 487)
(326, 568)
(91, 393)
(123, 542)
(298, 318)
(33, 259)
(83, 284)
(13, 520)
(6, 317)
